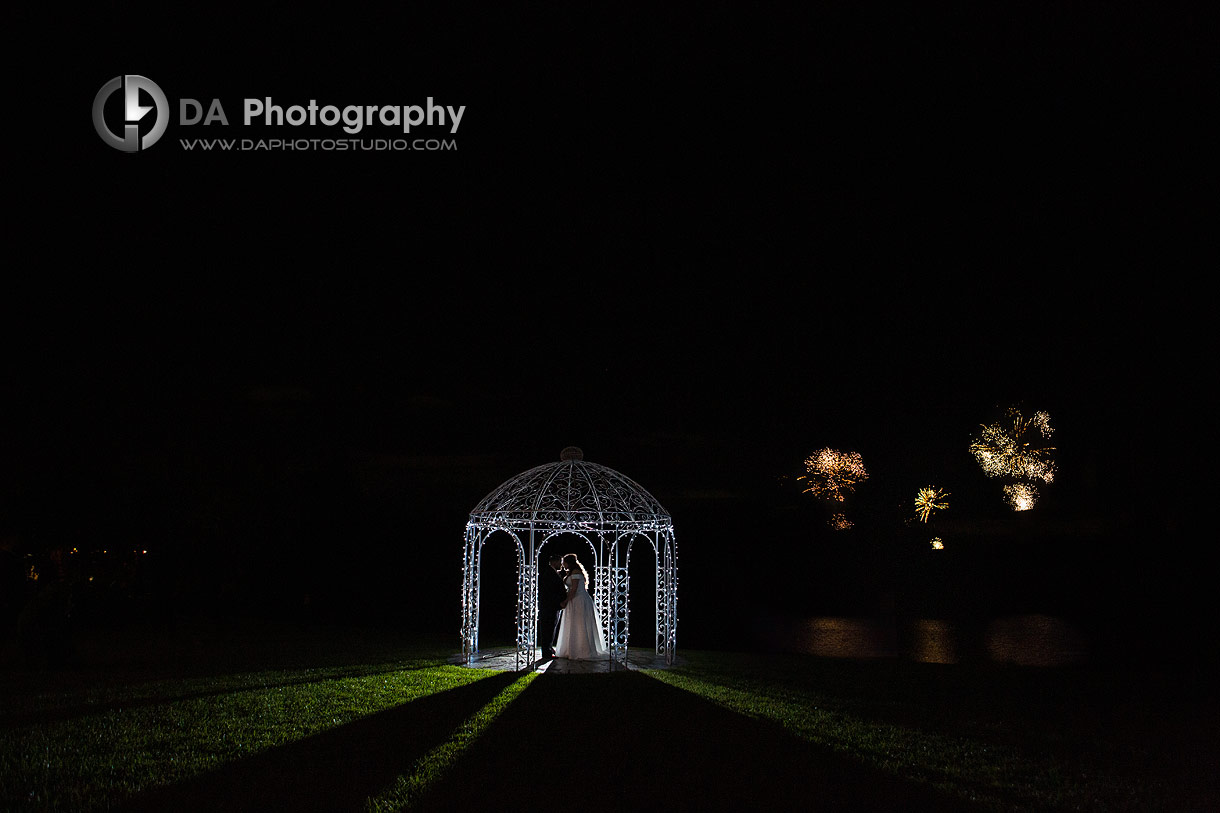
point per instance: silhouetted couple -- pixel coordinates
(568, 623)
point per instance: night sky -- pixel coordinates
(699, 245)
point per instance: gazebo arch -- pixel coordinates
(606, 508)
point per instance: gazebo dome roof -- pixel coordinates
(571, 493)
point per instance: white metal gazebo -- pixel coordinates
(606, 509)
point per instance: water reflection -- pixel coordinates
(1034, 640)
(847, 638)
(1026, 640)
(931, 641)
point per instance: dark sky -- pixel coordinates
(698, 244)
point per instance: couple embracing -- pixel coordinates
(568, 623)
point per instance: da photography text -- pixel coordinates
(352, 118)
(134, 130)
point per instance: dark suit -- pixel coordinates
(550, 593)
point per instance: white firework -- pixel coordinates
(1021, 496)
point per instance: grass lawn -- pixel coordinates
(329, 720)
(1000, 737)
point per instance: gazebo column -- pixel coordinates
(525, 623)
(619, 588)
(667, 596)
(531, 603)
(601, 597)
(470, 594)
(535, 568)
(659, 602)
(601, 584)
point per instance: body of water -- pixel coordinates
(1026, 640)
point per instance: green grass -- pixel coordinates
(426, 772)
(348, 724)
(91, 747)
(1002, 738)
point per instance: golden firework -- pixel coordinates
(831, 474)
(929, 499)
(937, 543)
(1021, 496)
(1009, 448)
(840, 522)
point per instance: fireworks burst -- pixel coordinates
(1010, 449)
(937, 543)
(831, 474)
(1021, 496)
(929, 499)
(840, 522)
(1013, 448)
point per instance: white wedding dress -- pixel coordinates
(580, 629)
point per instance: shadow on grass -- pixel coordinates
(20, 718)
(334, 770)
(626, 741)
(1074, 732)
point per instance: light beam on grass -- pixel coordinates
(406, 789)
(153, 734)
(953, 760)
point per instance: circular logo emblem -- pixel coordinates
(131, 85)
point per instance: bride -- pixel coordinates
(580, 630)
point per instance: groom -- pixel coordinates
(551, 594)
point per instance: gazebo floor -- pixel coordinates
(505, 661)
